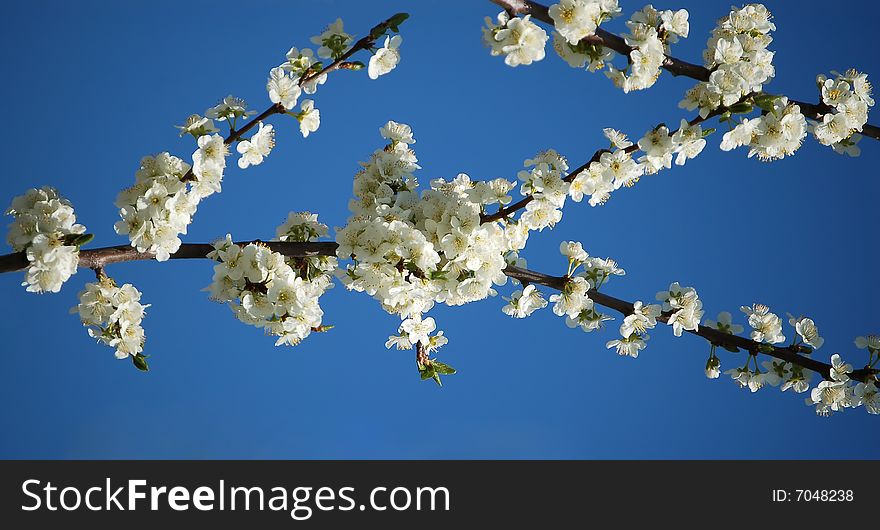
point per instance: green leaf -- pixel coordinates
(765, 101)
(765, 348)
(741, 108)
(77, 240)
(437, 379)
(708, 131)
(140, 362)
(395, 21)
(724, 117)
(727, 347)
(442, 368)
(428, 373)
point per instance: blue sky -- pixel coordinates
(92, 87)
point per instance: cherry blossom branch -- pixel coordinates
(522, 203)
(786, 353)
(364, 43)
(676, 67)
(98, 258)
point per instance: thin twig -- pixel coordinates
(277, 108)
(522, 203)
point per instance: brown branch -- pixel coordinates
(100, 257)
(676, 67)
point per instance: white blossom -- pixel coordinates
(283, 88)
(839, 369)
(258, 147)
(231, 108)
(807, 330)
(418, 330)
(520, 40)
(713, 367)
(870, 342)
(333, 41)
(309, 118)
(629, 346)
(866, 394)
(643, 318)
(197, 125)
(386, 58)
(828, 397)
(524, 302)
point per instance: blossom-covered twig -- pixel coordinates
(365, 43)
(786, 353)
(673, 65)
(522, 203)
(100, 257)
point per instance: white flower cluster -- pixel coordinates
(544, 180)
(576, 19)
(113, 315)
(651, 33)
(849, 95)
(160, 205)
(684, 306)
(738, 57)
(296, 75)
(633, 331)
(724, 324)
(45, 229)
(828, 396)
(266, 290)
(299, 62)
(617, 168)
(839, 392)
(772, 136)
(284, 90)
(520, 40)
(411, 250)
(776, 373)
(574, 301)
(766, 326)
